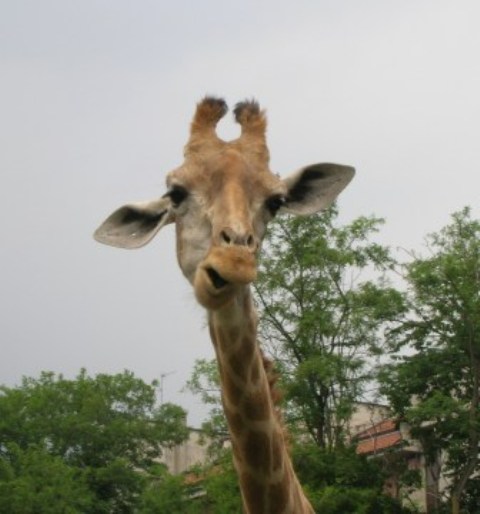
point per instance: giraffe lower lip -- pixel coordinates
(217, 280)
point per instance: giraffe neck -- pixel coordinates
(267, 480)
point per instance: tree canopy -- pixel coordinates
(324, 304)
(435, 383)
(92, 437)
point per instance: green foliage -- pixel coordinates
(211, 489)
(339, 481)
(205, 383)
(339, 500)
(436, 383)
(33, 481)
(320, 467)
(97, 436)
(164, 493)
(221, 486)
(322, 323)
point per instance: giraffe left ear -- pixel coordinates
(315, 187)
(134, 225)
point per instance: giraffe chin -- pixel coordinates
(221, 274)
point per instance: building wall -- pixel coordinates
(365, 416)
(190, 453)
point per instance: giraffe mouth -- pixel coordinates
(217, 280)
(219, 277)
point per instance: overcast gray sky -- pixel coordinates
(96, 98)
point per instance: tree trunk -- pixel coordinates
(455, 504)
(474, 439)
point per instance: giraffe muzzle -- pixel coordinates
(230, 264)
(221, 273)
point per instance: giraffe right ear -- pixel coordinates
(134, 225)
(315, 187)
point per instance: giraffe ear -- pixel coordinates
(315, 187)
(134, 225)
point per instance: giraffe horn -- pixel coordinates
(208, 113)
(252, 120)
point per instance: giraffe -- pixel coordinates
(220, 200)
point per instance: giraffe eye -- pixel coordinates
(274, 203)
(177, 194)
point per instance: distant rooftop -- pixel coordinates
(379, 437)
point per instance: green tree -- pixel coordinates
(211, 488)
(165, 493)
(106, 430)
(341, 481)
(33, 481)
(340, 499)
(436, 382)
(321, 319)
(221, 486)
(205, 383)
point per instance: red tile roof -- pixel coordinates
(378, 437)
(379, 443)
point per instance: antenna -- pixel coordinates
(160, 388)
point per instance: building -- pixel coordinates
(192, 452)
(390, 440)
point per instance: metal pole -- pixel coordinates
(162, 377)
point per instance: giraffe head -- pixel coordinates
(221, 199)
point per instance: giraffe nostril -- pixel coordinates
(226, 238)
